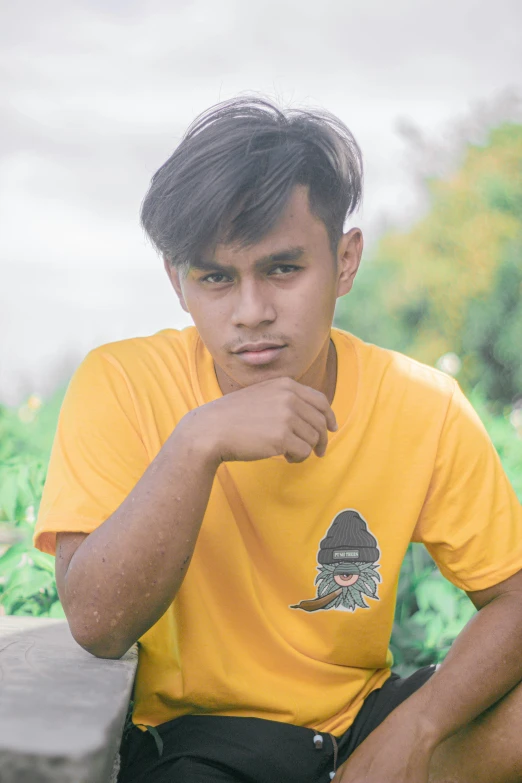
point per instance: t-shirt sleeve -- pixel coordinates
(98, 453)
(471, 521)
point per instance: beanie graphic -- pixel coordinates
(347, 565)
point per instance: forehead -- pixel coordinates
(297, 227)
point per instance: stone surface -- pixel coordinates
(62, 709)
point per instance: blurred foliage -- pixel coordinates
(430, 613)
(453, 283)
(27, 585)
(492, 331)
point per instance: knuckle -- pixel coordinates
(288, 419)
(287, 401)
(297, 451)
(304, 450)
(307, 451)
(326, 404)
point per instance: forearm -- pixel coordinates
(125, 574)
(483, 664)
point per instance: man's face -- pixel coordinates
(265, 311)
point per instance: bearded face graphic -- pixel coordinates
(356, 581)
(347, 565)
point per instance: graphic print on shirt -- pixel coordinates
(347, 564)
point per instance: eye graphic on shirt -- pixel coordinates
(347, 565)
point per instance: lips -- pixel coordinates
(255, 347)
(259, 353)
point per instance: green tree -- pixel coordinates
(492, 333)
(415, 293)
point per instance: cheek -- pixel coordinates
(312, 313)
(345, 580)
(209, 318)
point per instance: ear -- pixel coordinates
(174, 277)
(349, 254)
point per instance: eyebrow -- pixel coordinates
(280, 257)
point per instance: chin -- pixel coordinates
(251, 375)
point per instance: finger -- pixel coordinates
(319, 401)
(305, 431)
(296, 449)
(317, 420)
(320, 449)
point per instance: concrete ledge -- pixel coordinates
(61, 709)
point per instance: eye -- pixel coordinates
(212, 278)
(346, 580)
(285, 269)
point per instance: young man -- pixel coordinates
(238, 497)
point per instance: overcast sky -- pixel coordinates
(95, 95)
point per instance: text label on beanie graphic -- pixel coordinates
(347, 565)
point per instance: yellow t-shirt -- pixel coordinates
(287, 607)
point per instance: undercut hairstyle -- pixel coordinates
(234, 171)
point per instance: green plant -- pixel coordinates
(27, 584)
(430, 613)
(492, 334)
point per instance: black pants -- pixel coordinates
(215, 749)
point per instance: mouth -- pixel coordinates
(259, 353)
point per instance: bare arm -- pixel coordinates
(125, 574)
(483, 664)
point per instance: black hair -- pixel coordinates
(234, 170)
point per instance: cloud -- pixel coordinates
(97, 93)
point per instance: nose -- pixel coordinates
(252, 306)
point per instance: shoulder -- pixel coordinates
(165, 346)
(159, 357)
(153, 366)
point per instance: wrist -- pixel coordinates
(196, 436)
